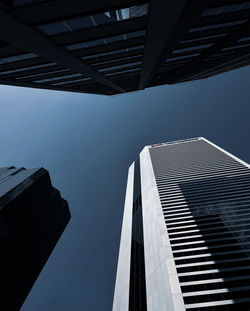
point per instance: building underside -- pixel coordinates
(116, 46)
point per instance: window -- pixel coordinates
(97, 55)
(76, 46)
(135, 34)
(104, 54)
(14, 3)
(182, 57)
(71, 81)
(95, 43)
(83, 45)
(79, 23)
(244, 39)
(59, 78)
(123, 71)
(227, 9)
(27, 68)
(208, 27)
(235, 47)
(55, 28)
(197, 47)
(204, 38)
(42, 74)
(120, 66)
(17, 58)
(117, 60)
(114, 38)
(94, 20)
(136, 48)
(107, 40)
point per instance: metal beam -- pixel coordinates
(18, 34)
(123, 44)
(222, 65)
(48, 11)
(48, 87)
(100, 32)
(195, 67)
(168, 22)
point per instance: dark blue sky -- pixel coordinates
(87, 143)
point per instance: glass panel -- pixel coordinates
(71, 81)
(82, 45)
(94, 43)
(116, 60)
(235, 47)
(21, 2)
(94, 20)
(204, 38)
(104, 54)
(27, 68)
(182, 57)
(55, 28)
(13, 3)
(244, 39)
(135, 34)
(17, 58)
(197, 47)
(114, 38)
(138, 10)
(103, 18)
(59, 78)
(227, 9)
(119, 51)
(76, 46)
(136, 48)
(217, 26)
(80, 23)
(120, 66)
(123, 71)
(42, 74)
(97, 55)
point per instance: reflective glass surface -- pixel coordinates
(59, 78)
(95, 20)
(17, 58)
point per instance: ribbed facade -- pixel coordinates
(196, 227)
(205, 197)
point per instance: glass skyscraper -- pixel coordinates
(185, 242)
(116, 46)
(33, 216)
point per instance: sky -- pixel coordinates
(87, 142)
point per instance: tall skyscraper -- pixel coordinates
(116, 46)
(185, 242)
(32, 218)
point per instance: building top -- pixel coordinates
(119, 46)
(176, 142)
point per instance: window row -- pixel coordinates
(85, 22)
(88, 44)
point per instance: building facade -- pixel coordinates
(185, 242)
(116, 46)
(32, 218)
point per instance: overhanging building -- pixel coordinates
(185, 242)
(32, 218)
(116, 46)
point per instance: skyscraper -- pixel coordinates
(116, 46)
(32, 218)
(185, 242)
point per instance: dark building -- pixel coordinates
(185, 242)
(115, 46)
(32, 218)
